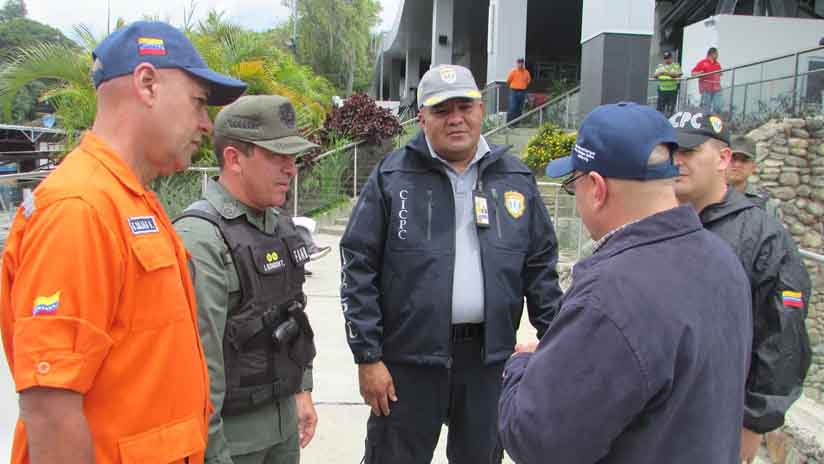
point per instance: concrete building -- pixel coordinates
(609, 47)
(487, 36)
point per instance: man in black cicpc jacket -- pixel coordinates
(448, 237)
(778, 279)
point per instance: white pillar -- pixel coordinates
(413, 65)
(442, 29)
(506, 37)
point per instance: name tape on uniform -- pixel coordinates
(143, 225)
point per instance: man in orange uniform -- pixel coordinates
(97, 311)
(518, 80)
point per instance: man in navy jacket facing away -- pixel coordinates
(646, 360)
(448, 238)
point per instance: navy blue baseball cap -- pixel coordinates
(164, 46)
(616, 141)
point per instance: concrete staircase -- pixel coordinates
(518, 137)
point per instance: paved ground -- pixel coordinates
(342, 415)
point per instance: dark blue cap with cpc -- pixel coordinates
(616, 141)
(164, 46)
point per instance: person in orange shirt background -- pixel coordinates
(518, 80)
(97, 311)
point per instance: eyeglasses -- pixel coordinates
(568, 185)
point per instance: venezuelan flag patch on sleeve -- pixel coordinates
(46, 304)
(150, 46)
(792, 299)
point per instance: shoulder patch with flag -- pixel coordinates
(792, 299)
(150, 46)
(46, 304)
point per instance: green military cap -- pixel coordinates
(268, 121)
(743, 145)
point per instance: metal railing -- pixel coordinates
(572, 235)
(753, 93)
(569, 229)
(561, 110)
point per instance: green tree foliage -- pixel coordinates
(17, 31)
(254, 58)
(226, 47)
(334, 39)
(13, 9)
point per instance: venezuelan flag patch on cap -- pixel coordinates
(792, 299)
(46, 304)
(150, 46)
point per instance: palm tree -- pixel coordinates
(227, 48)
(66, 73)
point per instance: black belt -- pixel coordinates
(467, 332)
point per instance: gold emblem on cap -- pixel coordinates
(448, 75)
(717, 124)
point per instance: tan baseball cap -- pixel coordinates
(268, 121)
(444, 82)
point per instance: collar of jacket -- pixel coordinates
(665, 225)
(733, 202)
(230, 207)
(419, 147)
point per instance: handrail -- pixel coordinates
(566, 94)
(747, 65)
(763, 81)
(350, 145)
(26, 175)
(810, 255)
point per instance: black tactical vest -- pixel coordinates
(258, 368)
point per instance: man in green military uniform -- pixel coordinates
(667, 74)
(742, 165)
(247, 262)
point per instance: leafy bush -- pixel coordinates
(549, 143)
(360, 118)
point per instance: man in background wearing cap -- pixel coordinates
(742, 164)
(247, 261)
(447, 238)
(778, 279)
(518, 81)
(628, 372)
(667, 74)
(98, 315)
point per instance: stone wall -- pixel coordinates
(792, 170)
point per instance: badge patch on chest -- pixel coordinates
(273, 262)
(515, 204)
(142, 225)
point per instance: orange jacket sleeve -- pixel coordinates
(61, 277)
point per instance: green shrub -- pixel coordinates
(549, 143)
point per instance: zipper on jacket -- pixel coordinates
(429, 217)
(485, 343)
(497, 213)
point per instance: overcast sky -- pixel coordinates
(255, 14)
